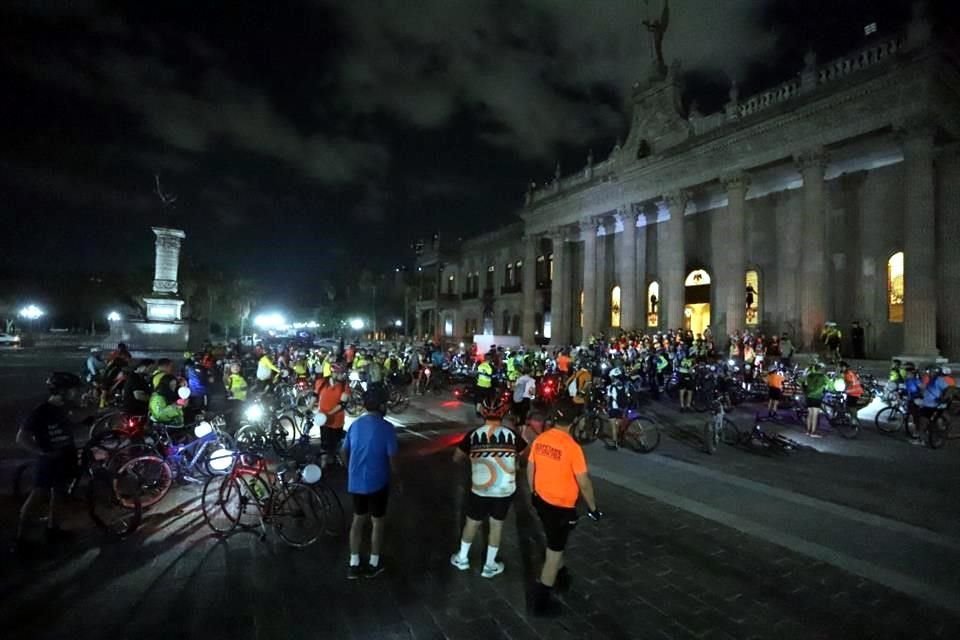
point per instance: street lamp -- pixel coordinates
(356, 324)
(398, 323)
(31, 312)
(269, 321)
(113, 316)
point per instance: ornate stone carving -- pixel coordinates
(677, 200)
(739, 181)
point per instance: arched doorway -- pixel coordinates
(696, 311)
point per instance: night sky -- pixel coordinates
(317, 136)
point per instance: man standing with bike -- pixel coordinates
(369, 452)
(493, 450)
(557, 476)
(48, 434)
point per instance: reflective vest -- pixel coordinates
(237, 386)
(484, 375)
(512, 374)
(661, 363)
(686, 366)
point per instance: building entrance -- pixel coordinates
(696, 312)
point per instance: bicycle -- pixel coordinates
(210, 454)
(774, 443)
(295, 501)
(718, 428)
(893, 417)
(637, 430)
(937, 426)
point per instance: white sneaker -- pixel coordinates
(491, 570)
(460, 563)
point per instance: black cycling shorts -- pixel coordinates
(373, 503)
(686, 383)
(558, 522)
(55, 471)
(776, 394)
(480, 508)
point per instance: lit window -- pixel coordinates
(448, 326)
(615, 307)
(581, 308)
(895, 287)
(550, 268)
(753, 297)
(653, 304)
(697, 278)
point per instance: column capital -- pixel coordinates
(813, 159)
(625, 216)
(736, 181)
(916, 132)
(678, 199)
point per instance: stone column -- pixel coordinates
(626, 254)
(588, 232)
(813, 262)
(167, 259)
(919, 255)
(601, 288)
(529, 313)
(559, 320)
(675, 260)
(733, 278)
(639, 320)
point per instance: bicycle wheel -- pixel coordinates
(334, 519)
(106, 423)
(354, 406)
(889, 420)
(283, 434)
(251, 438)
(729, 433)
(155, 479)
(937, 432)
(298, 515)
(847, 425)
(583, 431)
(221, 503)
(642, 434)
(217, 457)
(711, 436)
(113, 502)
(398, 401)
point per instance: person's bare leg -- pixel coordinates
(470, 530)
(376, 538)
(25, 510)
(356, 533)
(496, 531)
(551, 566)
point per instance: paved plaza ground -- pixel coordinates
(847, 539)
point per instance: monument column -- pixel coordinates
(813, 263)
(167, 259)
(675, 259)
(627, 268)
(559, 291)
(639, 319)
(733, 278)
(919, 257)
(529, 284)
(588, 231)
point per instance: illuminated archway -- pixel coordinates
(615, 307)
(752, 300)
(696, 312)
(653, 304)
(895, 288)
(581, 308)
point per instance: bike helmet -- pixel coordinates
(62, 381)
(616, 372)
(493, 409)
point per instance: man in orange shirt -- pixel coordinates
(563, 363)
(557, 476)
(774, 390)
(330, 401)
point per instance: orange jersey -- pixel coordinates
(558, 460)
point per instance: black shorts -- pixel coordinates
(814, 403)
(330, 439)
(480, 508)
(558, 522)
(373, 503)
(686, 383)
(776, 394)
(55, 472)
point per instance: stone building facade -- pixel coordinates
(834, 196)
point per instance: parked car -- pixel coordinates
(8, 340)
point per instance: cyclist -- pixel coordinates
(493, 450)
(330, 401)
(686, 385)
(617, 401)
(236, 385)
(814, 386)
(774, 390)
(484, 382)
(557, 476)
(48, 434)
(136, 390)
(165, 407)
(932, 392)
(578, 385)
(854, 388)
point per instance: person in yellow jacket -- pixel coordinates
(484, 382)
(164, 406)
(236, 385)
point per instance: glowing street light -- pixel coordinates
(356, 324)
(398, 323)
(269, 321)
(31, 312)
(113, 316)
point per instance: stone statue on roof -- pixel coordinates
(657, 29)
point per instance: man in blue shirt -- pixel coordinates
(369, 449)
